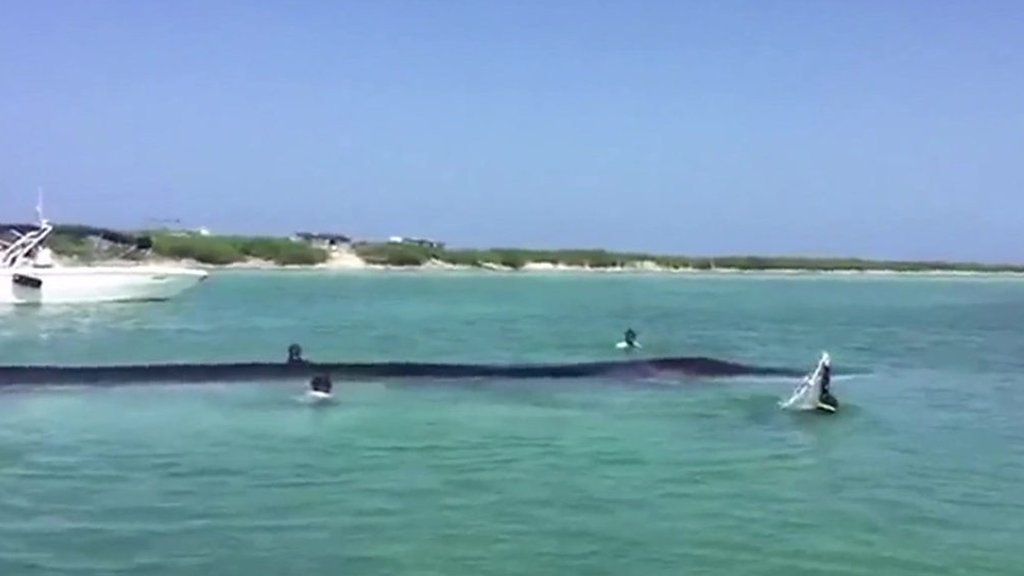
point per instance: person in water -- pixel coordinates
(630, 338)
(825, 395)
(295, 354)
(321, 383)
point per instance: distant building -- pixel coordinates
(323, 240)
(424, 242)
(201, 231)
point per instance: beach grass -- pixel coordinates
(399, 255)
(79, 242)
(86, 243)
(223, 250)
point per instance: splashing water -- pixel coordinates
(808, 394)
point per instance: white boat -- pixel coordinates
(29, 276)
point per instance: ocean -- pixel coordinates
(920, 472)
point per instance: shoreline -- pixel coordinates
(542, 268)
(343, 261)
(85, 246)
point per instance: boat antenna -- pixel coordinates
(39, 206)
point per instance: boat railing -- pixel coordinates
(23, 246)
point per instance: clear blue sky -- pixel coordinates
(878, 129)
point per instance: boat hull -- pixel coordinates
(27, 285)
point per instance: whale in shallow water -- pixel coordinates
(297, 368)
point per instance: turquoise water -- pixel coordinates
(922, 472)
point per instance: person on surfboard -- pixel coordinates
(321, 383)
(825, 395)
(630, 338)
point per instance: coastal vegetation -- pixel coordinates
(222, 250)
(512, 258)
(87, 243)
(71, 245)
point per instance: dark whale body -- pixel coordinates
(297, 368)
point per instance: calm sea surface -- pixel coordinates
(922, 471)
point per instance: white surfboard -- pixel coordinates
(624, 345)
(317, 396)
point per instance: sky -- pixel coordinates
(822, 128)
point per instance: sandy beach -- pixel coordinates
(347, 260)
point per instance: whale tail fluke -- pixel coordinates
(813, 392)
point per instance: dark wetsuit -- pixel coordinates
(630, 338)
(321, 383)
(825, 397)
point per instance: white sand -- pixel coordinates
(346, 259)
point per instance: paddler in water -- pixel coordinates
(825, 394)
(321, 383)
(630, 338)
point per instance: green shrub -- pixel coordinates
(71, 245)
(281, 251)
(394, 254)
(77, 241)
(206, 249)
(511, 259)
(220, 250)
